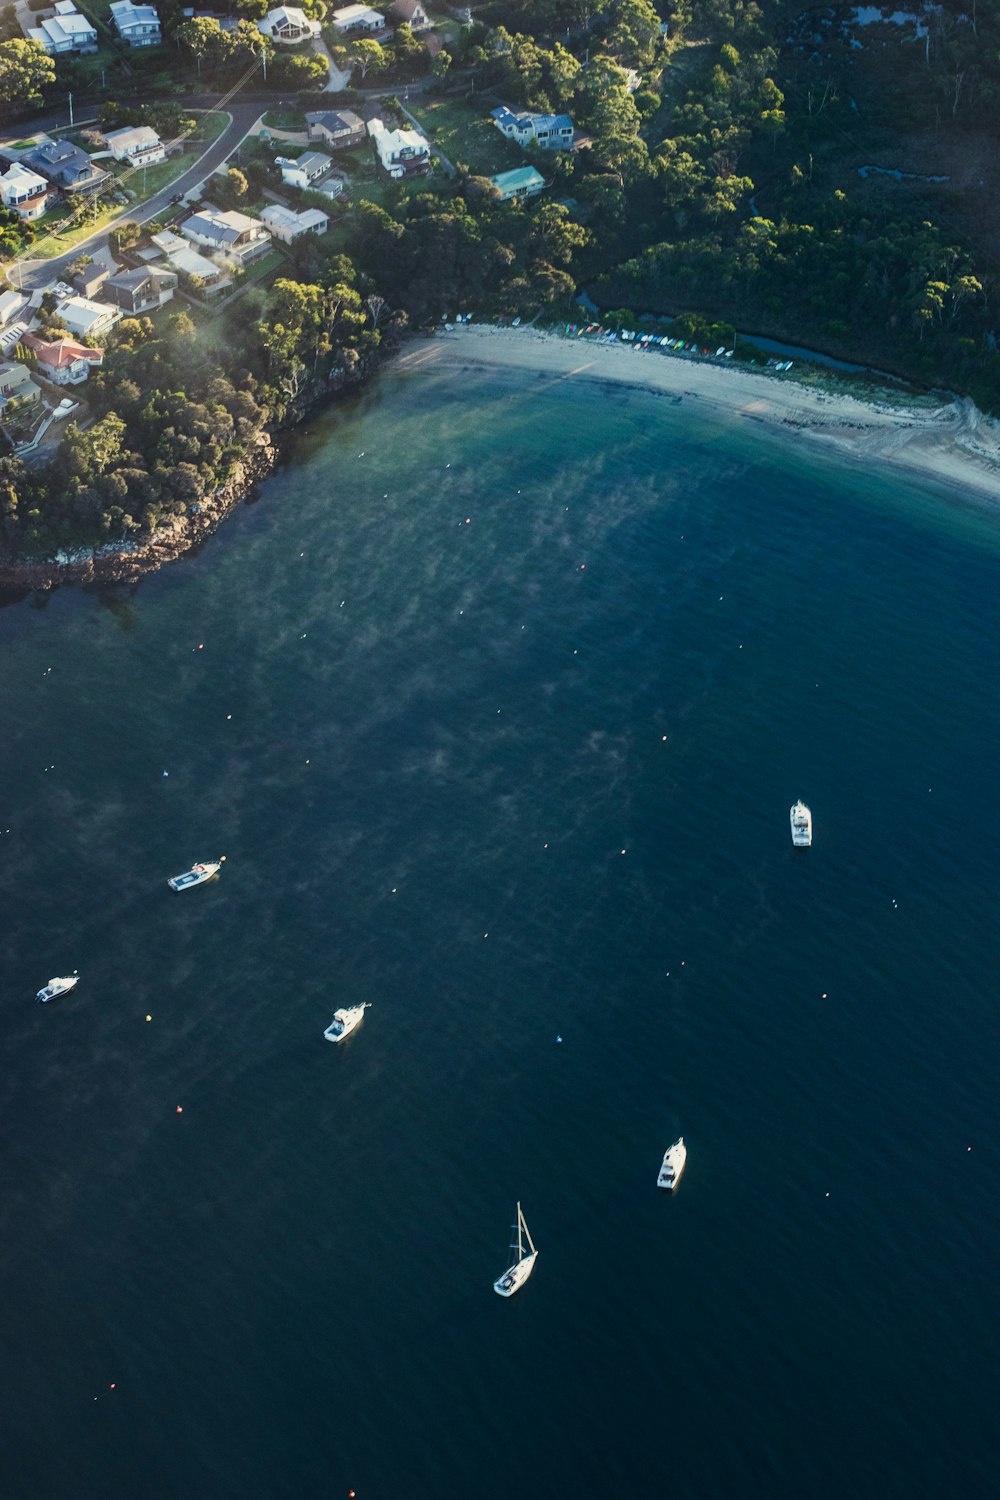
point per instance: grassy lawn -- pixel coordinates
(465, 133)
(285, 119)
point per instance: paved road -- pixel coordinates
(243, 114)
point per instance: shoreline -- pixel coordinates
(953, 443)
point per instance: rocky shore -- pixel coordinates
(119, 562)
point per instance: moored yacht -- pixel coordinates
(197, 875)
(672, 1166)
(56, 987)
(802, 825)
(515, 1276)
(345, 1021)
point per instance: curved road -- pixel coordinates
(243, 114)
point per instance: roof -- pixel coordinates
(355, 13)
(23, 177)
(222, 227)
(313, 161)
(519, 177)
(285, 218)
(84, 311)
(132, 281)
(55, 154)
(127, 14)
(393, 141)
(10, 303)
(61, 352)
(290, 13)
(406, 9)
(337, 120)
(132, 135)
(185, 257)
(527, 120)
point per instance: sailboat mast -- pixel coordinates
(520, 1245)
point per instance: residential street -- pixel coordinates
(243, 114)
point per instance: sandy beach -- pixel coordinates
(953, 443)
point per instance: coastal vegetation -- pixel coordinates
(824, 177)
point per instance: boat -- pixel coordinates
(345, 1021)
(515, 1276)
(197, 875)
(802, 825)
(673, 1164)
(56, 987)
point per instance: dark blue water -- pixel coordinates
(498, 726)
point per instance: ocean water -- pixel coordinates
(496, 702)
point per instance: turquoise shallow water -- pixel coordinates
(478, 638)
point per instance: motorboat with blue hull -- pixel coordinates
(801, 820)
(57, 987)
(197, 875)
(345, 1021)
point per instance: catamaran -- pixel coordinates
(515, 1276)
(802, 825)
(197, 875)
(672, 1166)
(57, 987)
(345, 1021)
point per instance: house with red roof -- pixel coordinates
(63, 361)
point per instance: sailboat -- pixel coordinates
(515, 1276)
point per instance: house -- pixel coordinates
(523, 182)
(16, 386)
(140, 291)
(23, 191)
(138, 25)
(549, 132)
(89, 319)
(288, 227)
(288, 25)
(90, 280)
(64, 361)
(303, 171)
(403, 153)
(336, 128)
(11, 306)
(237, 237)
(138, 144)
(357, 18)
(66, 31)
(185, 259)
(67, 166)
(411, 12)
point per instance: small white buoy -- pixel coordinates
(166, 773)
(559, 1039)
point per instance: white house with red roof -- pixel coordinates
(63, 361)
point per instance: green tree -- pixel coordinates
(25, 73)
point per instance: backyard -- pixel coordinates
(465, 133)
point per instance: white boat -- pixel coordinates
(802, 825)
(56, 987)
(197, 875)
(515, 1276)
(345, 1021)
(672, 1166)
